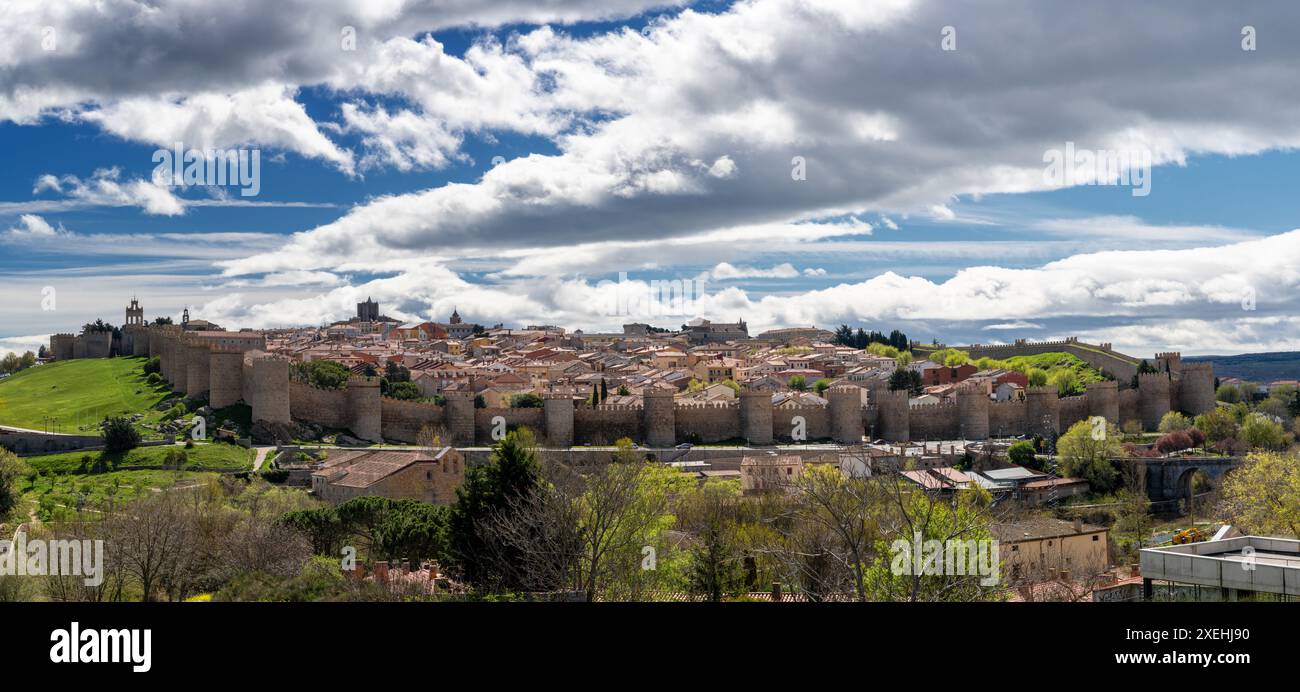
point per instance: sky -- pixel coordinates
(891, 164)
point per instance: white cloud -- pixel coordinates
(725, 271)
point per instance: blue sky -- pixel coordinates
(656, 142)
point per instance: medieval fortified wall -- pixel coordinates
(232, 367)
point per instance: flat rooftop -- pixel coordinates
(1246, 563)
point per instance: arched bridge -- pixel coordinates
(1171, 479)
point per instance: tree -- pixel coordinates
(120, 435)
(822, 385)
(1175, 441)
(488, 489)
(1087, 454)
(798, 383)
(12, 470)
(711, 516)
(1173, 421)
(154, 538)
(905, 379)
(1262, 432)
(1022, 454)
(526, 400)
(1066, 382)
(324, 374)
(1263, 496)
(1217, 424)
(1133, 513)
(1037, 377)
(405, 391)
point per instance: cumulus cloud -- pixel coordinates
(32, 228)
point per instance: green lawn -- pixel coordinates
(202, 456)
(79, 394)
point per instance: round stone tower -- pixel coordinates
(1197, 388)
(225, 376)
(1103, 400)
(893, 415)
(155, 342)
(1153, 398)
(973, 413)
(196, 368)
(846, 414)
(558, 409)
(658, 418)
(1042, 411)
(459, 417)
(168, 360)
(266, 390)
(365, 408)
(756, 416)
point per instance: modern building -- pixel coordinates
(1239, 568)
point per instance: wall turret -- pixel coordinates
(658, 417)
(1042, 411)
(846, 414)
(365, 408)
(197, 364)
(460, 416)
(1197, 388)
(1153, 398)
(558, 409)
(1103, 400)
(973, 413)
(225, 376)
(756, 416)
(893, 415)
(266, 389)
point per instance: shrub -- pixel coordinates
(1173, 421)
(1174, 442)
(1022, 454)
(120, 435)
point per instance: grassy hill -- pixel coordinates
(1255, 367)
(200, 457)
(79, 393)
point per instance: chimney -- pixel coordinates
(1063, 575)
(1078, 525)
(435, 570)
(381, 571)
(1134, 570)
(776, 591)
(358, 571)
(406, 567)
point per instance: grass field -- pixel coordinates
(79, 394)
(202, 456)
(60, 497)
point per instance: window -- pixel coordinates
(1095, 538)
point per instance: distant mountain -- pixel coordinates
(1255, 367)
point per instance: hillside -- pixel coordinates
(79, 393)
(1255, 367)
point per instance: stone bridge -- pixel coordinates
(1171, 479)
